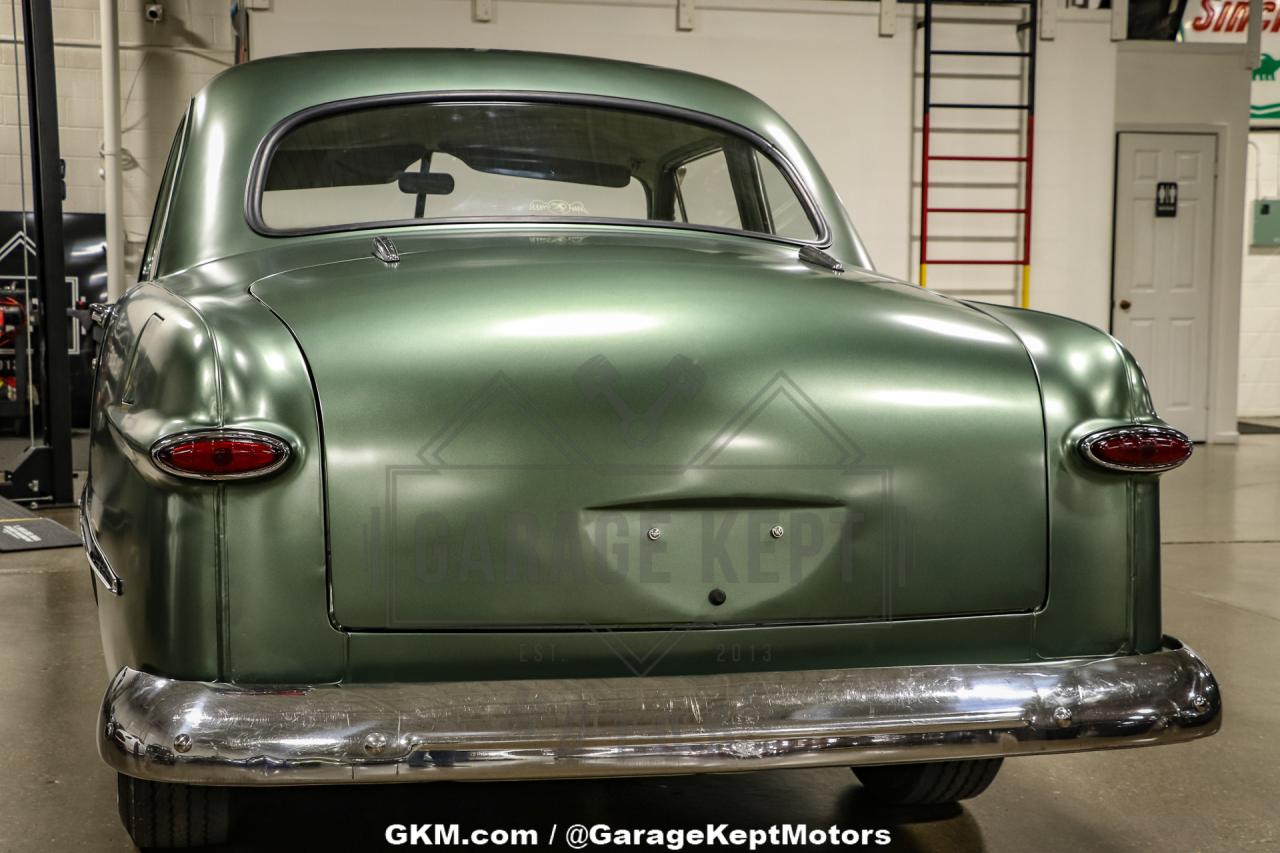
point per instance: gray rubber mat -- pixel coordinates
(23, 530)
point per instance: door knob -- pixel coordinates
(1125, 304)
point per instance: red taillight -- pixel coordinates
(220, 454)
(1138, 448)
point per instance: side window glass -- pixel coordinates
(786, 214)
(704, 192)
(155, 234)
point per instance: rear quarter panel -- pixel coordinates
(1104, 593)
(221, 581)
(159, 535)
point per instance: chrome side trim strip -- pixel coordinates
(98, 564)
(221, 734)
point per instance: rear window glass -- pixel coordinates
(434, 162)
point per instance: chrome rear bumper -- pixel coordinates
(219, 734)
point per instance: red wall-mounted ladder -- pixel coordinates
(1025, 155)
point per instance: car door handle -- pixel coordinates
(1125, 304)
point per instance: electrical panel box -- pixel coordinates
(1266, 222)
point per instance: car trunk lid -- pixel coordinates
(583, 430)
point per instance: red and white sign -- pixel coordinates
(1227, 21)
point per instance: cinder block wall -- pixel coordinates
(161, 66)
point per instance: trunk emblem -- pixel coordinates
(776, 531)
(385, 251)
(654, 534)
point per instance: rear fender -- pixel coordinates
(156, 375)
(1104, 557)
(220, 580)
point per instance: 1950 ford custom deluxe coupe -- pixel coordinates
(486, 415)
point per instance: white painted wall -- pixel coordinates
(161, 67)
(1074, 151)
(1074, 177)
(1201, 88)
(847, 90)
(1259, 388)
(1260, 290)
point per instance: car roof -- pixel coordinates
(232, 116)
(512, 65)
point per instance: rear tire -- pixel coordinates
(162, 815)
(928, 784)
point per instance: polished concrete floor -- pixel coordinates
(1222, 595)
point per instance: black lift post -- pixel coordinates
(45, 471)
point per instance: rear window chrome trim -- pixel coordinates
(266, 148)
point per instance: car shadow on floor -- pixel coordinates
(357, 817)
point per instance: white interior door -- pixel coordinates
(1163, 268)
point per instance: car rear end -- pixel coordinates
(385, 605)
(571, 497)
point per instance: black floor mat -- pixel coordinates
(22, 530)
(1250, 428)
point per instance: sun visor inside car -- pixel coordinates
(309, 168)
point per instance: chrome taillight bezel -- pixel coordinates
(278, 444)
(1087, 444)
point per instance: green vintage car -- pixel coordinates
(486, 415)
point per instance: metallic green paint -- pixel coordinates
(232, 581)
(234, 113)
(1089, 381)
(494, 483)
(168, 618)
